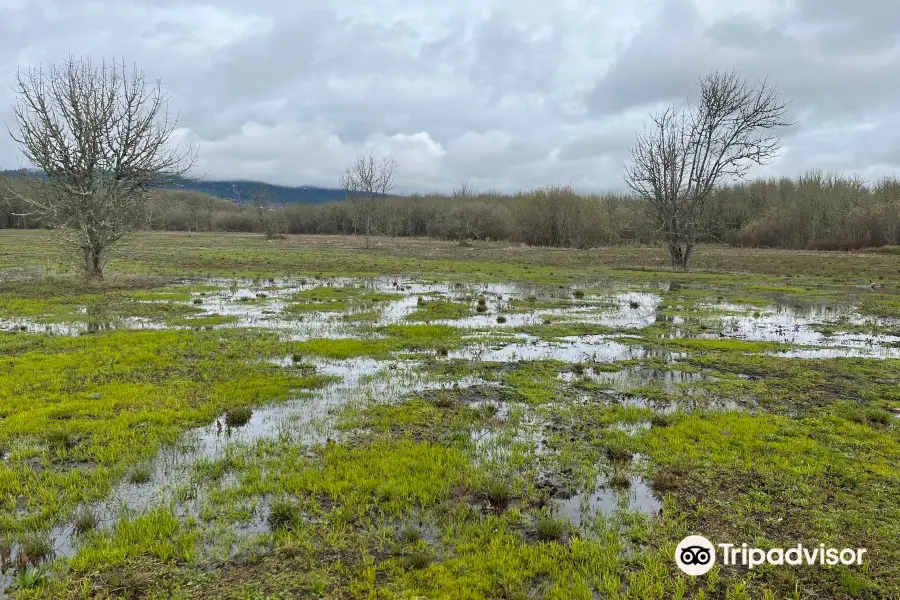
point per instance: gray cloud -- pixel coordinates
(507, 94)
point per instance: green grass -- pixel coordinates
(435, 310)
(109, 401)
(338, 299)
(447, 493)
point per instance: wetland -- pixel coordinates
(304, 418)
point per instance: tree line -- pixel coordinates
(814, 211)
(103, 137)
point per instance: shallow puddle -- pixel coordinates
(304, 420)
(587, 348)
(264, 304)
(580, 509)
(628, 379)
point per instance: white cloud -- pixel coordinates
(508, 94)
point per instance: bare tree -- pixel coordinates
(267, 214)
(157, 207)
(461, 214)
(366, 180)
(690, 150)
(102, 137)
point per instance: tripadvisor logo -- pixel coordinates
(696, 555)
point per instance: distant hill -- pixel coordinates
(241, 190)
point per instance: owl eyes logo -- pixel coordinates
(695, 555)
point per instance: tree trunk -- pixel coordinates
(680, 253)
(93, 263)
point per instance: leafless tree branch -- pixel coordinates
(688, 151)
(366, 180)
(102, 136)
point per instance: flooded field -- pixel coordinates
(397, 436)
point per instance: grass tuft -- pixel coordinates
(37, 545)
(86, 520)
(498, 492)
(141, 474)
(417, 560)
(549, 528)
(282, 515)
(619, 480)
(410, 534)
(236, 417)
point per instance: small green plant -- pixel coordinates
(141, 474)
(37, 545)
(661, 419)
(663, 482)
(879, 416)
(445, 399)
(617, 453)
(498, 492)
(60, 440)
(549, 528)
(501, 319)
(236, 417)
(282, 514)
(29, 578)
(197, 300)
(619, 480)
(86, 521)
(578, 293)
(410, 534)
(634, 304)
(417, 560)
(481, 308)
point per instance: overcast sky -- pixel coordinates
(506, 94)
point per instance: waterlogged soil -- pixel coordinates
(394, 437)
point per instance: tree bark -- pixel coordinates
(93, 263)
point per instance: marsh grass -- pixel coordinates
(141, 474)
(80, 415)
(238, 416)
(37, 545)
(338, 299)
(619, 480)
(616, 452)
(410, 534)
(498, 491)
(417, 560)
(660, 419)
(549, 527)
(85, 521)
(283, 514)
(435, 310)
